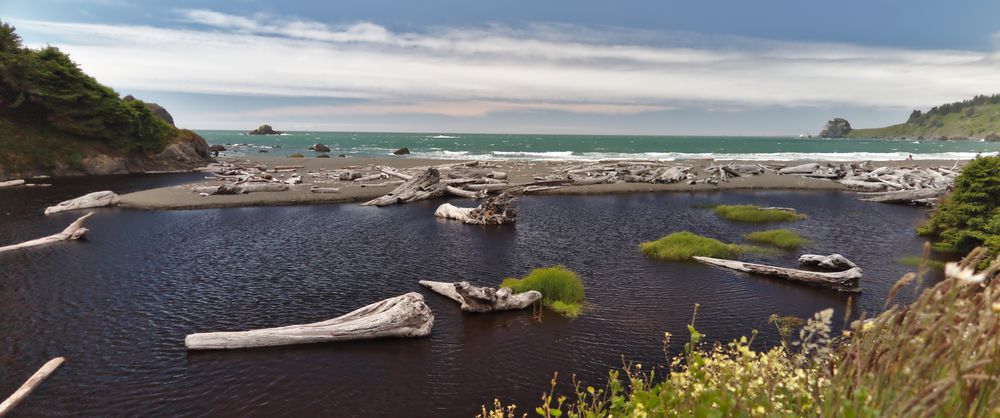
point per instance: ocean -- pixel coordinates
(595, 147)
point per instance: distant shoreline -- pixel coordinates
(183, 197)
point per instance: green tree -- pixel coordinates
(970, 215)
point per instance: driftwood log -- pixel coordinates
(228, 189)
(401, 316)
(835, 262)
(74, 231)
(427, 185)
(29, 386)
(844, 281)
(495, 210)
(87, 201)
(11, 183)
(904, 196)
(483, 299)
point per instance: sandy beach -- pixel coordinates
(184, 197)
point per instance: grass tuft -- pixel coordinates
(681, 246)
(561, 288)
(755, 214)
(915, 260)
(781, 238)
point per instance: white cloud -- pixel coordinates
(477, 71)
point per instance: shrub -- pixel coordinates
(781, 238)
(296, 156)
(681, 246)
(755, 214)
(970, 215)
(561, 288)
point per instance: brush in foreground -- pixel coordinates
(936, 357)
(483, 299)
(74, 231)
(682, 246)
(781, 238)
(29, 386)
(561, 289)
(402, 316)
(756, 214)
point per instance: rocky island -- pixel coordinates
(264, 129)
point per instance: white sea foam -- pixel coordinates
(443, 137)
(544, 154)
(675, 156)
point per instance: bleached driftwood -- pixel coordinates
(316, 189)
(29, 386)
(483, 299)
(832, 262)
(495, 210)
(296, 179)
(87, 201)
(800, 169)
(424, 186)
(227, 189)
(383, 184)
(903, 196)
(401, 316)
(11, 183)
(74, 231)
(844, 281)
(464, 193)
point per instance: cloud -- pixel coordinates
(471, 72)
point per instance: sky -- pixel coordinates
(653, 67)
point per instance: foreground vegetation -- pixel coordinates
(781, 238)
(970, 215)
(51, 111)
(939, 356)
(755, 214)
(681, 246)
(561, 288)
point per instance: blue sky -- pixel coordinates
(641, 67)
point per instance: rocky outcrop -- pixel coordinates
(993, 137)
(836, 128)
(402, 151)
(157, 110)
(264, 129)
(320, 148)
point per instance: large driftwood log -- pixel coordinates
(228, 189)
(11, 183)
(87, 201)
(401, 316)
(29, 386)
(903, 196)
(483, 299)
(800, 169)
(427, 185)
(74, 231)
(835, 262)
(844, 281)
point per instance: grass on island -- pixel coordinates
(681, 246)
(873, 369)
(755, 214)
(916, 260)
(781, 238)
(561, 288)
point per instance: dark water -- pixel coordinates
(119, 305)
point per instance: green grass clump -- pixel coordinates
(681, 246)
(296, 156)
(781, 238)
(755, 214)
(561, 288)
(915, 260)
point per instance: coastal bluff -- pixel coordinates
(977, 118)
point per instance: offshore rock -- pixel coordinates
(836, 128)
(264, 129)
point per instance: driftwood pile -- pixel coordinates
(495, 210)
(483, 299)
(909, 185)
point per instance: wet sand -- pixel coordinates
(183, 196)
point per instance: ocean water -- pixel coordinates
(586, 147)
(119, 304)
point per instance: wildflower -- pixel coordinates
(967, 274)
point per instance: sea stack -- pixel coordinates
(264, 129)
(836, 128)
(402, 151)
